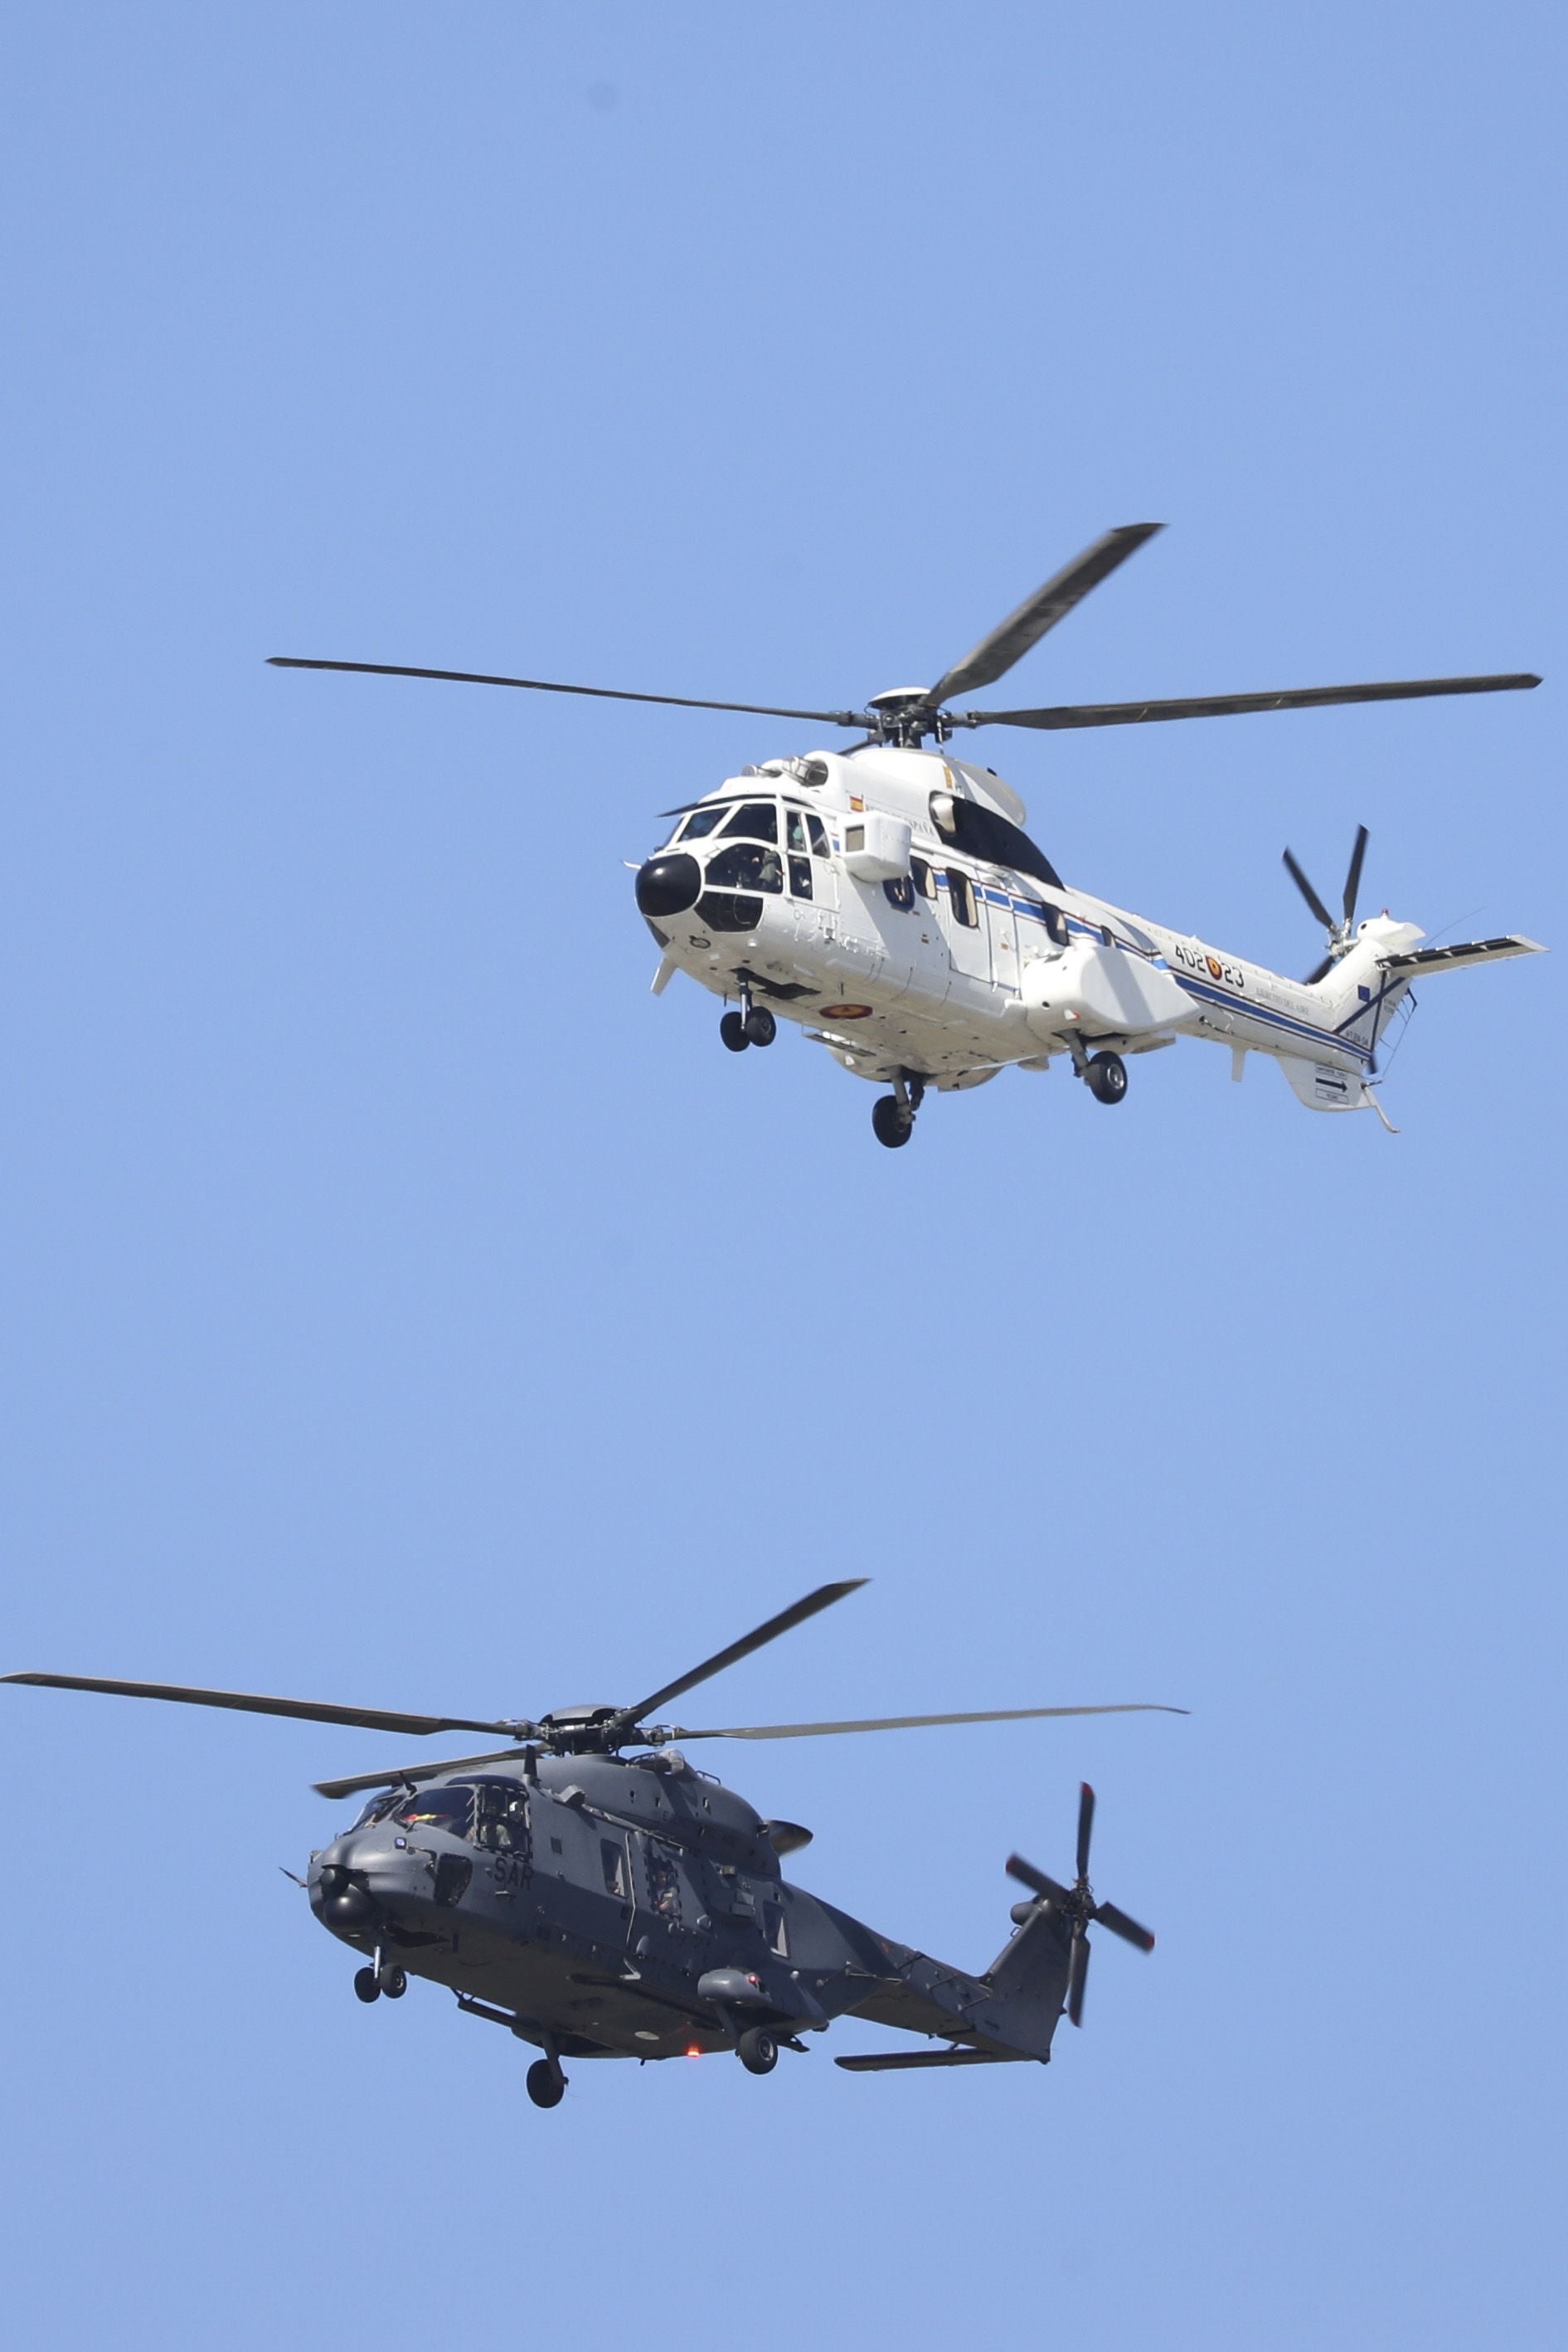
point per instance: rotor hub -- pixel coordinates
(904, 715)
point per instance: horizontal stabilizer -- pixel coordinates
(1464, 951)
(879, 2062)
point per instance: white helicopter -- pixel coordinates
(887, 898)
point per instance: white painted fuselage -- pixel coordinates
(873, 898)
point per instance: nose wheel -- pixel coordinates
(382, 1977)
(753, 1024)
(892, 1116)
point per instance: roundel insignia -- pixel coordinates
(846, 1012)
(1215, 969)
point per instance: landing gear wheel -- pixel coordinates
(891, 1123)
(732, 1029)
(546, 2084)
(757, 2051)
(392, 1981)
(367, 1984)
(1106, 1077)
(760, 1026)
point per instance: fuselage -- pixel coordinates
(635, 1908)
(889, 901)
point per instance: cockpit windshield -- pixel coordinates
(754, 821)
(449, 1808)
(745, 821)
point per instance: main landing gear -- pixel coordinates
(757, 2050)
(892, 1116)
(1105, 1075)
(752, 1025)
(546, 2084)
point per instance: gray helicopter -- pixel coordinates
(605, 1905)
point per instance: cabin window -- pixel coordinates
(744, 867)
(924, 878)
(1056, 925)
(775, 1930)
(663, 1882)
(818, 837)
(801, 877)
(700, 823)
(756, 820)
(613, 1860)
(899, 893)
(961, 899)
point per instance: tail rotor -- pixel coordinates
(1076, 1905)
(1341, 934)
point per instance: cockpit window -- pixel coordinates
(446, 1808)
(700, 823)
(745, 866)
(819, 838)
(756, 820)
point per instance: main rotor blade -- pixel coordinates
(916, 1722)
(553, 685)
(353, 1782)
(1077, 1975)
(1036, 1880)
(1227, 706)
(361, 1718)
(787, 1619)
(1086, 1826)
(1012, 639)
(1107, 1915)
(1308, 894)
(1353, 879)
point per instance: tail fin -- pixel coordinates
(1362, 991)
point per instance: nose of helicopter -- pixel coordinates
(668, 883)
(352, 1878)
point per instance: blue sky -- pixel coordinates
(401, 1307)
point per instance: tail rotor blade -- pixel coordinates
(1077, 1976)
(1036, 1880)
(1107, 1915)
(1352, 879)
(1086, 1826)
(1307, 893)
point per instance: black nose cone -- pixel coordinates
(668, 885)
